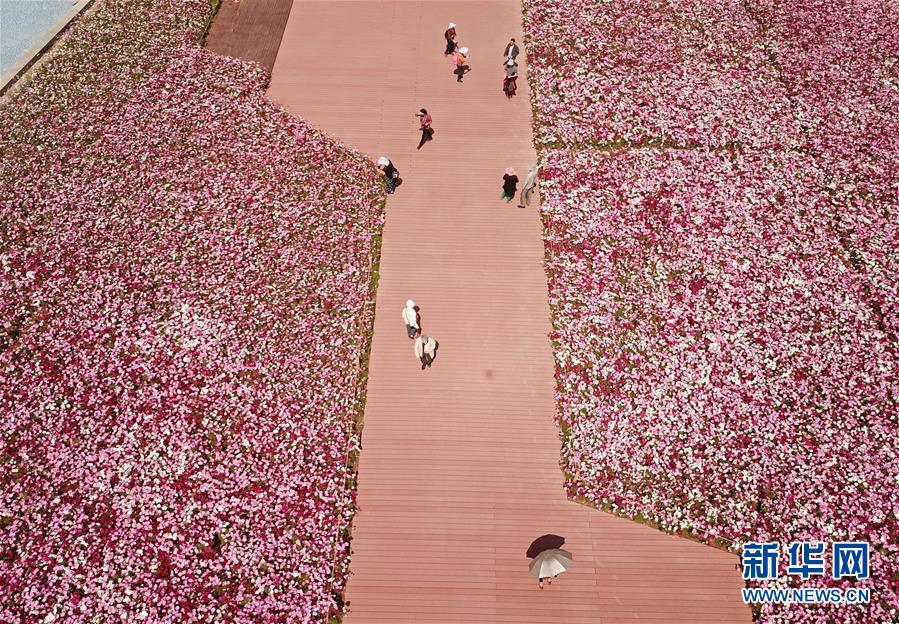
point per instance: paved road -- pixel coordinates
(460, 463)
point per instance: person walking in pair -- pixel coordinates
(460, 61)
(510, 77)
(427, 132)
(410, 318)
(425, 350)
(450, 36)
(510, 185)
(530, 183)
(390, 172)
(511, 51)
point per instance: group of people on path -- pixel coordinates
(510, 68)
(425, 347)
(510, 185)
(510, 77)
(547, 564)
(460, 55)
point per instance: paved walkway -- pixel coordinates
(249, 29)
(460, 463)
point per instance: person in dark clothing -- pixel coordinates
(390, 173)
(510, 184)
(427, 132)
(450, 36)
(511, 51)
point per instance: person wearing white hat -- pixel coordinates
(450, 36)
(390, 173)
(410, 318)
(510, 184)
(460, 60)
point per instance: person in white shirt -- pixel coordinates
(511, 51)
(425, 350)
(410, 318)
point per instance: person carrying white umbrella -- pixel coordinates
(549, 564)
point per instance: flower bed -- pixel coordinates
(714, 346)
(721, 240)
(185, 298)
(682, 72)
(817, 76)
(840, 62)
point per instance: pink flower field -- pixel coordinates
(186, 296)
(635, 71)
(841, 63)
(720, 201)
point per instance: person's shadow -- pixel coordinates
(460, 71)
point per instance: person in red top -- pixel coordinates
(427, 132)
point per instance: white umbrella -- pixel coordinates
(551, 562)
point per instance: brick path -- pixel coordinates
(249, 29)
(460, 463)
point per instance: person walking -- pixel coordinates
(410, 318)
(510, 77)
(511, 51)
(390, 173)
(427, 132)
(546, 578)
(425, 350)
(510, 184)
(450, 36)
(530, 183)
(460, 61)
(549, 564)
